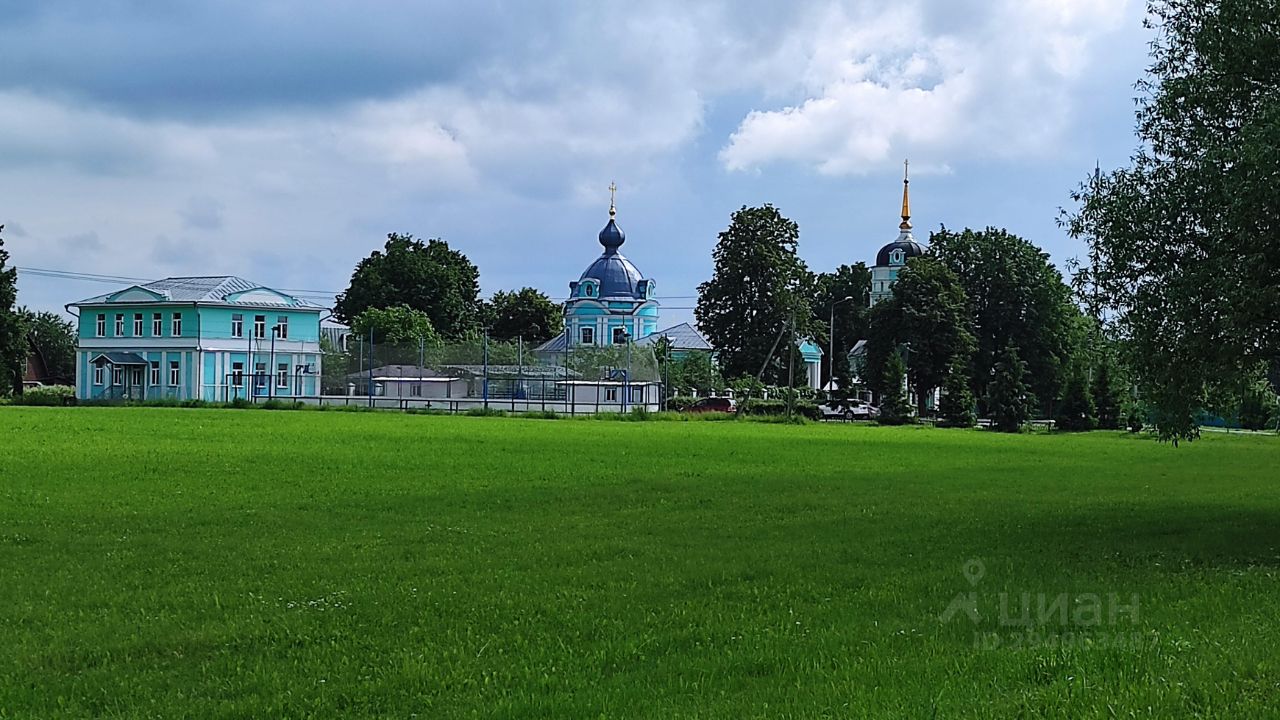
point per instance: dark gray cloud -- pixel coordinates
(200, 59)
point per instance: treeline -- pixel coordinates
(411, 291)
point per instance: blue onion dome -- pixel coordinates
(617, 276)
(612, 237)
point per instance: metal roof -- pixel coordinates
(683, 337)
(210, 289)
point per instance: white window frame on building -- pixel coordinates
(237, 374)
(611, 394)
(282, 325)
(237, 325)
(588, 335)
(282, 376)
(157, 324)
(99, 374)
(619, 336)
(100, 327)
(260, 379)
(138, 325)
(117, 376)
(177, 325)
(175, 373)
(119, 325)
(155, 373)
(259, 327)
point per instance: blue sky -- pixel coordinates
(282, 140)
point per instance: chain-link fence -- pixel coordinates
(511, 376)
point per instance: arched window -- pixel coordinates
(896, 257)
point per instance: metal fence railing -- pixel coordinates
(480, 373)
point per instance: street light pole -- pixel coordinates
(831, 344)
(271, 386)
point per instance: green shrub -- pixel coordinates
(47, 396)
(278, 404)
(541, 415)
(486, 412)
(803, 408)
(241, 404)
(680, 403)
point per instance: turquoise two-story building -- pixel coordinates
(211, 338)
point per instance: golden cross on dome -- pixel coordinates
(613, 192)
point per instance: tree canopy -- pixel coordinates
(396, 325)
(932, 324)
(756, 292)
(54, 340)
(525, 313)
(1184, 244)
(851, 316)
(1016, 297)
(428, 277)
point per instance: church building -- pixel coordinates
(894, 256)
(612, 303)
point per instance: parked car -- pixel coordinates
(714, 404)
(853, 410)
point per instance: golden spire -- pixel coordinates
(613, 192)
(906, 196)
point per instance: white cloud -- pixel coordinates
(877, 85)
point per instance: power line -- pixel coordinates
(306, 294)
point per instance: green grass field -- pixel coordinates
(220, 563)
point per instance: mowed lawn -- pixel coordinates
(220, 563)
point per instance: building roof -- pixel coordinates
(906, 243)
(119, 358)
(683, 337)
(554, 345)
(619, 278)
(511, 371)
(219, 289)
(396, 371)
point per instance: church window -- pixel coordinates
(588, 336)
(619, 336)
(611, 394)
(895, 257)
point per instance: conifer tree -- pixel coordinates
(894, 407)
(1076, 412)
(1007, 394)
(13, 328)
(1106, 399)
(957, 399)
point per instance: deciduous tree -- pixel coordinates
(525, 313)
(757, 291)
(1016, 297)
(934, 319)
(1184, 244)
(53, 338)
(428, 277)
